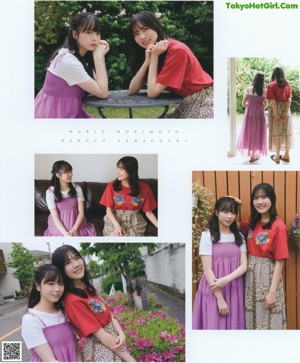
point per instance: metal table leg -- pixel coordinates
(164, 112)
(101, 113)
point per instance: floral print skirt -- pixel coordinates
(198, 105)
(280, 133)
(94, 351)
(131, 221)
(257, 284)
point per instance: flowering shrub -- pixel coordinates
(152, 336)
(295, 226)
(201, 212)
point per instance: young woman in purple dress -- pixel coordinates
(219, 302)
(45, 329)
(252, 140)
(77, 67)
(65, 201)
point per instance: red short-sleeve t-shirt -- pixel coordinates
(87, 315)
(270, 243)
(181, 71)
(121, 199)
(279, 94)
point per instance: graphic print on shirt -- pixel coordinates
(96, 306)
(119, 199)
(262, 238)
(137, 201)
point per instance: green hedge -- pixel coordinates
(246, 68)
(189, 21)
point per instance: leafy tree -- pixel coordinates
(111, 279)
(22, 260)
(246, 68)
(124, 258)
(189, 21)
(94, 269)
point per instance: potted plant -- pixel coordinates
(294, 232)
(201, 212)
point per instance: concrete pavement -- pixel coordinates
(9, 307)
(176, 306)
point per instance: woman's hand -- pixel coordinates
(120, 343)
(284, 117)
(236, 199)
(73, 232)
(270, 300)
(160, 47)
(148, 54)
(102, 49)
(218, 284)
(119, 231)
(223, 307)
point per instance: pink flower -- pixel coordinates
(142, 321)
(139, 344)
(172, 339)
(132, 333)
(148, 343)
(169, 354)
(177, 350)
(149, 357)
(157, 357)
(164, 335)
(161, 314)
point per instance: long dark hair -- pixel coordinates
(60, 167)
(130, 164)
(258, 83)
(82, 22)
(44, 274)
(224, 204)
(59, 258)
(268, 190)
(137, 53)
(278, 76)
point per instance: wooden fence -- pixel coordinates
(287, 189)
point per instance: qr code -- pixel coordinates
(11, 351)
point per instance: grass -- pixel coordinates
(149, 112)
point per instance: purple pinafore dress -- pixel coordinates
(253, 135)
(59, 100)
(225, 259)
(60, 337)
(68, 212)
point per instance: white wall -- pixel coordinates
(167, 266)
(94, 167)
(8, 284)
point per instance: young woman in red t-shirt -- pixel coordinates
(165, 63)
(124, 198)
(279, 92)
(267, 248)
(101, 336)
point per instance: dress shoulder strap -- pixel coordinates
(31, 313)
(60, 56)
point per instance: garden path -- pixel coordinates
(176, 306)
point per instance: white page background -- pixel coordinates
(201, 146)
